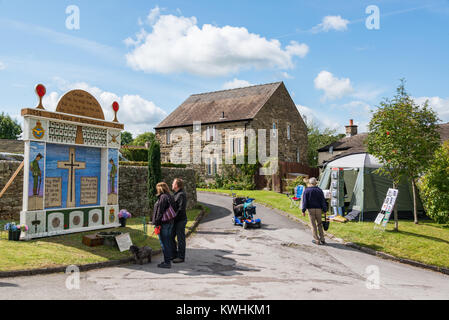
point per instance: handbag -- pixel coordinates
(326, 223)
(169, 214)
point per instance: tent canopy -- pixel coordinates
(366, 190)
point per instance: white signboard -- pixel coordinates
(124, 242)
(387, 207)
(379, 219)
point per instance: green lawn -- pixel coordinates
(427, 242)
(68, 249)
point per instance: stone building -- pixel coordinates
(267, 106)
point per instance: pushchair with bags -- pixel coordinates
(244, 212)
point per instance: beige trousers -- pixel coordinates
(316, 219)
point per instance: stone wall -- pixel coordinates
(281, 110)
(11, 202)
(133, 187)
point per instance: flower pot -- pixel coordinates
(122, 222)
(14, 235)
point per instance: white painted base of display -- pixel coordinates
(65, 232)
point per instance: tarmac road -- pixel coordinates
(276, 262)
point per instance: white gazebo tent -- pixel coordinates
(366, 190)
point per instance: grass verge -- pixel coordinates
(427, 242)
(69, 250)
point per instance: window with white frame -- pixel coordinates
(209, 167)
(211, 133)
(231, 146)
(167, 136)
(298, 156)
(239, 145)
(288, 132)
(214, 166)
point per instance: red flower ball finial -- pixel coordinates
(40, 90)
(115, 106)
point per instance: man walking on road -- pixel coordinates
(179, 229)
(314, 202)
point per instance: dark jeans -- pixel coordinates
(179, 232)
(165, 237)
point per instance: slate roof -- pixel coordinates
(444, 132)
(237, 104)
(346, 143)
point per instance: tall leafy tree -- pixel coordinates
(9, 128)
(154, 171)
(435, 186)
(127, 138)
(401, 133)
(141, 139)
(319, 138)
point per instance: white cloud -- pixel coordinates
(286, 75)
(154, 15)
(179, 45)
(140, 36)
(329, 23)
(439, 105)
(333, 87)
(92, 47)
(368, 94)
(138, 114)
(360, 106)
(2, 66)
(236, 83)
(309, 115)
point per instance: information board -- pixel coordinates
(124, 242)
(387, 208)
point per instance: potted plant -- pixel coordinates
(22, 228)
(123, 215)
(14, 231)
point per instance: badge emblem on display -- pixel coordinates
(38, 131)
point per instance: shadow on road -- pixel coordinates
(216, 212)
(201, 262)
(8, 285)
(340, 246)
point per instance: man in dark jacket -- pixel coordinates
(179, 229)
(314, 202)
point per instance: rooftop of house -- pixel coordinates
(221, 106)
(355, 144)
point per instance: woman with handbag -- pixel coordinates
(163, 218)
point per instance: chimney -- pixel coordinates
(351, 130)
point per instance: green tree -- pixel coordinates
(154, 171)
(400, 133)
(435, 186)
(127, 138)
(9, 128)
(141, 139)
(319, 138)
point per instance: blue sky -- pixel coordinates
(151, 55)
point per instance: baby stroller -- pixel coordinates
(244, 212)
